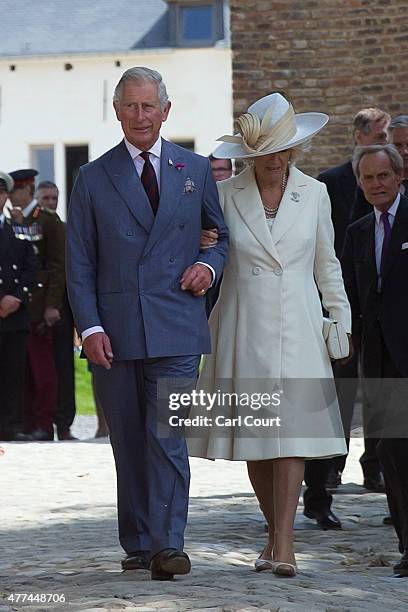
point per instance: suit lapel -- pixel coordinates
(398, 236)
(367, 251)
(171, 189)
(291, 206)
(122, 172)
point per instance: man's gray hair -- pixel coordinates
(46, 185)
(395, 158)
(364, 118)
(398, 122)
(140, 74)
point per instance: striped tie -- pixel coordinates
(149, 182)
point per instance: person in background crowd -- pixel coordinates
(137, 293)
(47, 194)
(18, 278)
(375, 269)
(221, 168)
(398, 134)
(347, 199)
(44, 230)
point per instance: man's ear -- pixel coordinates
(166, 110)
(117, 111)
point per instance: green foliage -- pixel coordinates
(83, 387)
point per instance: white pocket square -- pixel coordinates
(404, 246)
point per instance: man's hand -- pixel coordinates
(8, 305)
(98, 349)
(197, 279)
(17, 214)
(209, 238)
(51, 316)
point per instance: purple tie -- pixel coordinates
(386, 240)
(149, 181)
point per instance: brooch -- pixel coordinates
(189, 186)
(295, 196)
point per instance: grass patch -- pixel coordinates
(83, 387)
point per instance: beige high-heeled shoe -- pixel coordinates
(281, 568)
(262, 564)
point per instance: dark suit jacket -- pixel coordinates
(18, 276)
(347, 200)
(383, 313)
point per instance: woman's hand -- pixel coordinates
(209, 238)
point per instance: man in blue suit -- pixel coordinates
(136, 281)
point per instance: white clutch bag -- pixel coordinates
(336, 339)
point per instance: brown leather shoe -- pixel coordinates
(168, 562)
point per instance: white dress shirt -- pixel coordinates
(155, 154)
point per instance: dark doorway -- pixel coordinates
(75, 157)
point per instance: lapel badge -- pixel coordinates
(404, 246)
(189, 186)
(295, 196)
(170, 162)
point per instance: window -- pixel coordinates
(197, 23)
(42, 160)
(75, 157)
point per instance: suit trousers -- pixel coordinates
(13, 346)
(392, 451)
(153, 474)
(41, 381)
(63, 336)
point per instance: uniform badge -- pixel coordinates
(295, 196)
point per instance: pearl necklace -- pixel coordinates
(270, 213)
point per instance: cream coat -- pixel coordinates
(267, 323)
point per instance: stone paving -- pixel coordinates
(58, 535)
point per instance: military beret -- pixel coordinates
(22, 177)
(6, 181)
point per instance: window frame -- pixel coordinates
(217, 23)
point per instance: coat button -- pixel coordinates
(171, 260)
(16, 281)
(277, 271)
(181, 226)
(14, 266)
(25, 289)
(1, 281)
(256, 270)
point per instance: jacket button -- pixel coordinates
(181, 226)
(277, 271)
(1, 281)
(14, 266)
(16, 281)
(129, 233)
(256, 270)
(171, 260)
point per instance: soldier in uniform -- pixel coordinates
(44, 229)
(47, 194)
(18, 277)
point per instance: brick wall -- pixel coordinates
(334, 56)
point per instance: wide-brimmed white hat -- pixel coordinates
(269, 126)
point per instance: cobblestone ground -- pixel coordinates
(58, 536)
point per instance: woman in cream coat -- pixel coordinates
(267, 323)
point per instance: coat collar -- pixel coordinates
(247, 200)
(249, 204)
